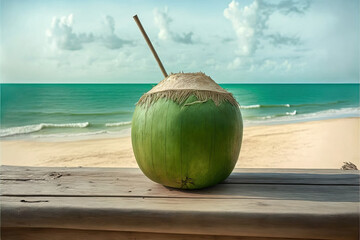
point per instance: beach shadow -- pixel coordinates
(281, 186)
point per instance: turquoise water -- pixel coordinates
(84, 110)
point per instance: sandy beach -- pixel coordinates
(316, 144)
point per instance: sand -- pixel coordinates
(317, 144)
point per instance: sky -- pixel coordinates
(238, 41)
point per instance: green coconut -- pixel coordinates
(187, 131)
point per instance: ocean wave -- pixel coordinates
(117, 124)
(74, 113)
(99, 113)
(63, 135)
(79, 136)
(354, 111)
(317, 104)
(27, 129)
(250, 106)
(290, 105)
(264, 106)
(295, 116)
(291, 113)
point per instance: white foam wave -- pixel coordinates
(81, 136)
(291, 113)
(250, 106)
(66, 125)
(346, 112)
(294, 116)
(27, 129)
(264, 106)
(278, 115)
(63, 135)
(117, 124)
(266, 117)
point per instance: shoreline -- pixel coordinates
(126, 132)
(312, 144)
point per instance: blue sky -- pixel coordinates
(242, 41)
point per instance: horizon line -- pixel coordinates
(158, 82)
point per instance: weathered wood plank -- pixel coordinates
(236, 217)
(66, 234)
(247, 170)
(279, 203)
(153, 190)
(309, 178)
(266, 176)
(132, 183)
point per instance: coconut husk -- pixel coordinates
(179, 87)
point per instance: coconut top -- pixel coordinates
(188, 81)
(180, 86)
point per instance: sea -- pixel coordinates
(80, 111)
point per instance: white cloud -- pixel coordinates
(250, 23)
(278, 39)
(251, 26)
(163, 20)
(61, 35)
(291, 6)
(235, 64)
(110, 39)
(244, 22)
(110, 24)
(273, 65)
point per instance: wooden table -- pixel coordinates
(109, 203)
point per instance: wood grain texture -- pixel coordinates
(266, 176)
(278, 203)
(132, 183)
(239, 217)
(66, 234)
